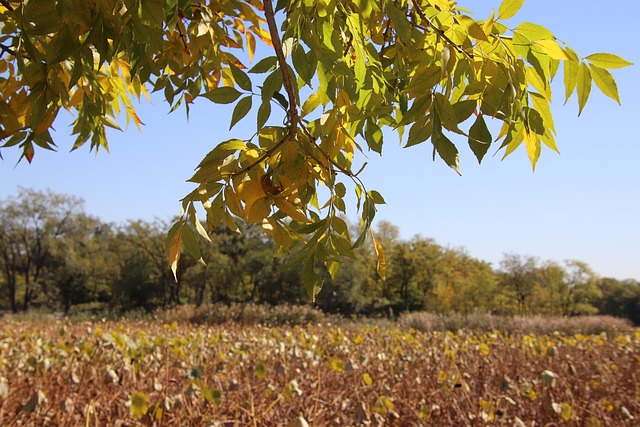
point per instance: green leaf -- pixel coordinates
(241, 109)
(400, 21)
(265, 65)
(240, 78)
(191, 243)
(223, 95)
(212, 395)
(608, 61)
(446, 114)
(376, 197)
(605, 82)
(479, 138)
(509, 8)
(311, 278)
(373, 135)
(420, 131)
(534, 121)
(445, 148)
(301, 63)
(271, 85)
(280, 99)
(464, 109)
(264, 111)
(584, 86)
(61, 46)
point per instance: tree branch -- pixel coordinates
(6, 4)
(284, 68)
(262, 158)
(438, 31)
(7, 49)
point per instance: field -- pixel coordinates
(133, 373)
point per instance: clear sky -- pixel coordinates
(582, 204)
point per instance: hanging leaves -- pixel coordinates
(335, 77)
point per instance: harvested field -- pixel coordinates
(142, 373)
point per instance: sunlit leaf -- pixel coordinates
(605, 82)
(583, 84)
(381, 266)
(138, 405)
(508, 8)
(607, 61)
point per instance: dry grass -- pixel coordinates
(135, 373)
(244, 314)
(427, 322)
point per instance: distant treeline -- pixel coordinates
(55, 256)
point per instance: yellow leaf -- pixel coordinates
(487, 27)
(232, 202)
(382, 263)
(484, 349)
(566, 412)
(337, 365)
(290, 210)
(259, 210)
(251, 45)
(249, 191)
(263, 34)
(367, 379)
(47, 122)
(605, 82)
(533, 147)
(280, 235)
(174, 252)
(139, 405)
(553, 49)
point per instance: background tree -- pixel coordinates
(148, 238)
(340, 72)
(32, 224)
(80, 267)
(517, 278)
(619, 298)
(581, 290)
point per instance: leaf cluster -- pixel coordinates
(340, 72)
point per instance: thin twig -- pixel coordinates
(440, 32)
(262, 158)
(284, 68)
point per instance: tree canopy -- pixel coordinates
(323, 79)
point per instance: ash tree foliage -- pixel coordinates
(329, 77)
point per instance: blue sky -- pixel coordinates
(582, 204)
